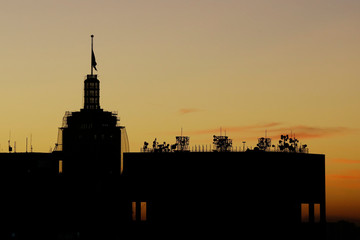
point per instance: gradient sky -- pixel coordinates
(246, 66)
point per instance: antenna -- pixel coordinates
(31, 148)
(92, 55)
(10, 148)
(93, 60)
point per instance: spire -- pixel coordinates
(92, 85)
(93, 61)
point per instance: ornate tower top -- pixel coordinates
(91, 92)
(92, 85)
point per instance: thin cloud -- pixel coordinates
(346, 161)
(349, 179)
(189, 110)
(235, 129)
(274, 130)
(343, 177)
(307, 132)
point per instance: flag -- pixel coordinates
(93, 61)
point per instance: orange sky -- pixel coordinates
(246, 66)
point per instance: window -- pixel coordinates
(60, 166)
(143, 211)
(133, 212)
(310, 212)
(304, 212)
(142, 214)
(317, 212)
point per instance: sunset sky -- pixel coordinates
(284, 66)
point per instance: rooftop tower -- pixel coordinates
(92, 85)
(90, 141)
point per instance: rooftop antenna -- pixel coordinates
(10, 148)
(93, 61)
(31, 147)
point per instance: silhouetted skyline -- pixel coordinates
(244, 66)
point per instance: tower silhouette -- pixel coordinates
(90, 139)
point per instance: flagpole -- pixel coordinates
(92, 37)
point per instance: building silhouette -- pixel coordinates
(231, 194)
(90, 140)
(91, 187)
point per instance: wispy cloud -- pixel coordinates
(343, 177)
(275, 129)
(189, 110)
(306, 132)
(349, 179)
(236, 129)
(346, 161)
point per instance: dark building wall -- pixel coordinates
(38, 202)
(205, 194)
(91, 143)
(229, 191)
(27, 164)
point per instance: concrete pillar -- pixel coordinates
(323, 212)
(138, 210)
(311, 213)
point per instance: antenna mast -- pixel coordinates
(92, 50)
(31, 147)
(10, 148)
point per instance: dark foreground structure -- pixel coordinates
(231, 194)
(178, 193)
(88, 188)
